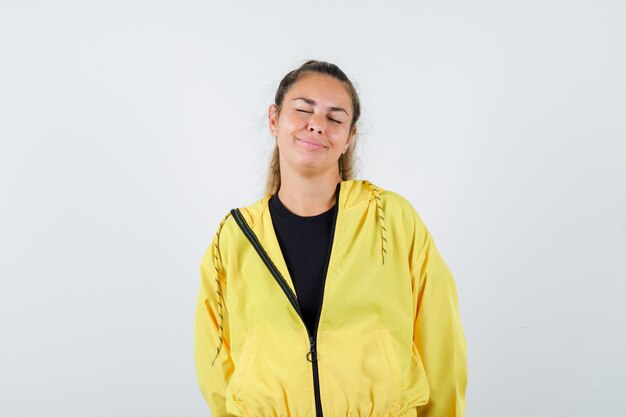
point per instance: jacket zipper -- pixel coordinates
(312, 354)
(316, 378)
(266, 259)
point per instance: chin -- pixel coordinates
(307, 164)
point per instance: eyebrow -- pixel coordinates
(312, 102)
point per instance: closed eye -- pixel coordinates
(331, 119)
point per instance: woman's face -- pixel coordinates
(313, 129)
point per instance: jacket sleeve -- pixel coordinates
(437, 331)
(214, 365)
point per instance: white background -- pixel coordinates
(128, 130)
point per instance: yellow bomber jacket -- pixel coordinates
(389, 340)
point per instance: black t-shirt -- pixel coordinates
(306, 243)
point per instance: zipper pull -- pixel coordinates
(311, 356)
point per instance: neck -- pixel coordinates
(308, 196)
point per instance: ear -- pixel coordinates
(272, 116)
(352, 134)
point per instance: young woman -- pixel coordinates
(328, 296)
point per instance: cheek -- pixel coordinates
(338, 136)
(292, 122)
(298, 123)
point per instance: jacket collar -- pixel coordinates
(354, 194)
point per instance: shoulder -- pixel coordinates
(397, 205)
(251, 212)
(228, 234)
(401, 215)
(212, 253)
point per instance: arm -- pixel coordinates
(437, 330)
(214, 365)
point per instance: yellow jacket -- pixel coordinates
(389, 341)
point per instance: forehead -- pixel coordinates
(321, 88)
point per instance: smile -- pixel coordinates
(310, 145)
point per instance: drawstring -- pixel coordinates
(220, 298)
(379, 211)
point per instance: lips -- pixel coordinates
(311, 143)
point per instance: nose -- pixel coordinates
(315, 125)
